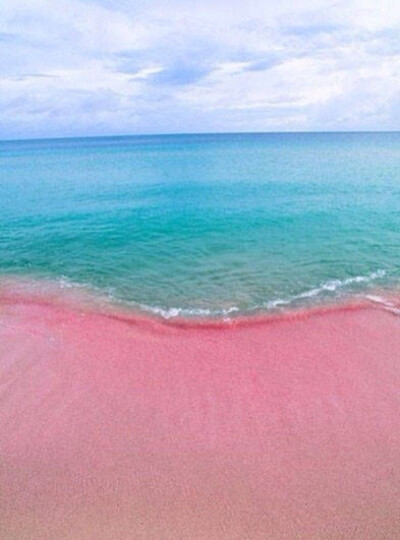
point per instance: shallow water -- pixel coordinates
(205, 224)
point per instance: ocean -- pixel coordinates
(204, 225)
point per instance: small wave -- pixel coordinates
(330, 286)
(170, 313)
(327, 286)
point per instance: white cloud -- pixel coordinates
(84, 67)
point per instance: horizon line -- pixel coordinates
(177, 134)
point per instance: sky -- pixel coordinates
(98, 67)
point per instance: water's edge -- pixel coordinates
(17, 290)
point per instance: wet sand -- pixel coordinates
(114, 426)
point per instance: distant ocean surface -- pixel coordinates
(205, 225)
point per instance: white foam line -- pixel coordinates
(182, 312)
(330, 286)
(167, 313)
(386, 304)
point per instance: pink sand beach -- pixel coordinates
(114, 426)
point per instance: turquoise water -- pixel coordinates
(205, 224)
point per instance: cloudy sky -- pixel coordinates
(92, 67)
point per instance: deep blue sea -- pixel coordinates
(205, 224)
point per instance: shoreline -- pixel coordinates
(81, 297)
(115, 425)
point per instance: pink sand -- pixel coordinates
(118, 427)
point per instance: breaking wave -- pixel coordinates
(327, 287)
